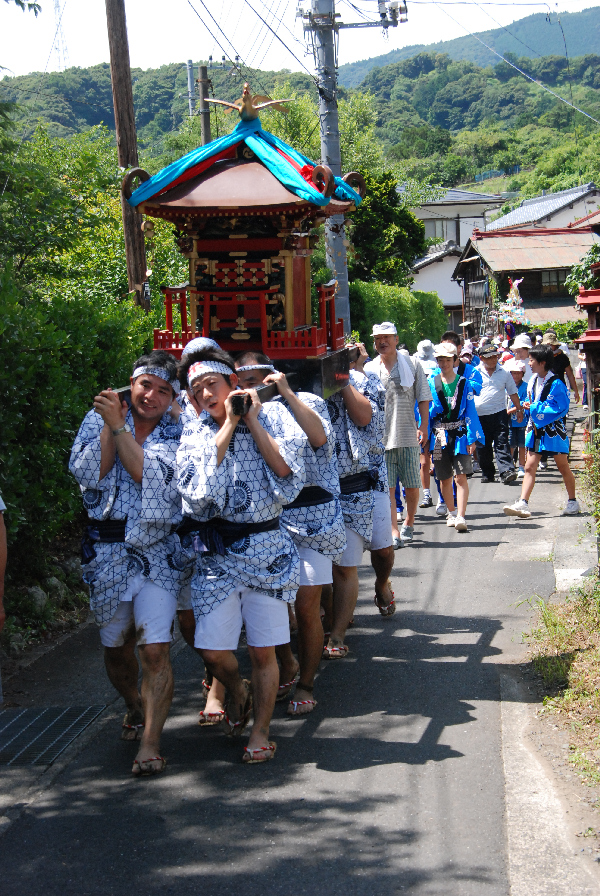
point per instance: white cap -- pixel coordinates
(522, 341)
(385, 328)
(445, 350)
(513, 364)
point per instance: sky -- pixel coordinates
(163, 32)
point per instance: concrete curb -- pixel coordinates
(541, 861)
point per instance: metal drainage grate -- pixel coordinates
(38, 736)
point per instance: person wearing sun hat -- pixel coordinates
(453, 431)
(405, 385)
(491, 408)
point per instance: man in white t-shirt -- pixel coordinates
(405, 384)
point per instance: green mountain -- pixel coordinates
(79, 98)
(535, 35)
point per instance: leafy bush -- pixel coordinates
(417, 315)
(54, 357)
(565, 332)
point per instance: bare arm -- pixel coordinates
(306, 418)
(423, 429)
(265, 443)
(358, 406)
(114, 413)
(572, 383)
(223, 437)
(3, 554)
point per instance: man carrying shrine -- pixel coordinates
(234, 474)
(124, 461)
(314, 521)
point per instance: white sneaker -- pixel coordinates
(441, 508)
(521, 473)
(519, 508)
(451, 519)
(460, 524)
(572, 508)
(543, 465)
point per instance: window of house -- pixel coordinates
(553, 282)
(440, 228)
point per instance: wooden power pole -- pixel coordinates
(120, 73)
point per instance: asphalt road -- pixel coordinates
(394, 784)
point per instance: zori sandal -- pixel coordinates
(262, 754)
(143, 768)
(335, 653)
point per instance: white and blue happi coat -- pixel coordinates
(359, 449)
(470, 373)
(470, 432)
(319, 527)
(548, 416)
(152, 509)
(242, 489)
(188, 411)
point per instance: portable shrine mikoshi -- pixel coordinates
(243, 208)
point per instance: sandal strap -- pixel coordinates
(296, 703)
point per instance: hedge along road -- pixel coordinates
(394, 784)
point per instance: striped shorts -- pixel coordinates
(403, 464)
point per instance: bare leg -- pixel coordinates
(122, 669)
(215, 702)
(224, 668)
(382, 561)
(187, 626)
(327, 605)
(310, 641)
(265, 679)
(562, 462)
(216, 694)
(289, 664)
(522, 456)
(462, 494)
(157, 694)
(394, 511)
(529, 477)
(345, 595)
(426, 467)
(412, 502)
(447, 493)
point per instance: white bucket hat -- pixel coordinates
(385, 328)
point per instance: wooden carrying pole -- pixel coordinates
(120, 73)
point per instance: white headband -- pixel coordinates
(255, 367)
(201, 368)
(155, 371)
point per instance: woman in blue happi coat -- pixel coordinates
(548, 403)
(454, 429)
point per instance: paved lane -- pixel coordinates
(394, 784)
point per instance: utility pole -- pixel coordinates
(191, 91)
(203, 81)
(321, 22)
(120, 73)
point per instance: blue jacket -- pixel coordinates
(467, 413)
(471, 374)
(549, 417)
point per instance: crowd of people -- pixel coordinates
(232, 514)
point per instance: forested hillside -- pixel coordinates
(533, 36)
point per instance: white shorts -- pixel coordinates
(147, 613)
(315, 569)
(380, 538)
(266, 620)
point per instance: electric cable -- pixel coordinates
(516, 67)
(247, 2)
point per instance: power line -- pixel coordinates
(247, 2)
(516, 67)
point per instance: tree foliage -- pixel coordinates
(417, 315)
(386, 236)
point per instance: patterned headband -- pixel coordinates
(201, 368)
(156, 371)
(255, 367)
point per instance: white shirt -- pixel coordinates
(495, 386)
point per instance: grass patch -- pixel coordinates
(565, 654)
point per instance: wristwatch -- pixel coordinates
(125, 428)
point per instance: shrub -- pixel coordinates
(54, 357)
(417, 315)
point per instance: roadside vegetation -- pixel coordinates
(564, 649)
